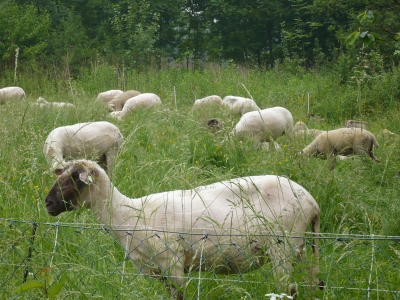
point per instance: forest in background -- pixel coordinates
(75, 34)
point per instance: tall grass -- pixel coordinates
(169, 148)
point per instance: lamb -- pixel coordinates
(11, 93)
(213, 99)
(118, 102)
(265, 125)
(342, 141)
(43, 103)
(240, 105)
(108, 95)
(97, 139)
(144, 100)
(301, 129)
(169, 233)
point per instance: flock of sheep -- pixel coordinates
(248, 218)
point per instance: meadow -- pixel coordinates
(169, 148)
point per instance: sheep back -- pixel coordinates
(118, 102)
(92, 139)
(265, 124)
(11, 93)
(240, 105)
(144, 100)
(213, 99)
(107, 96)
(343, 141)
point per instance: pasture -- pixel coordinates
(168, 147)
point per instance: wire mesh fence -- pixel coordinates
(94, 265)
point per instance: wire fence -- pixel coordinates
(91, 263)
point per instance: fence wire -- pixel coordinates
(95, 265)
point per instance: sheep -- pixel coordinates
(169, 233)
(213, 99)
(43, 103)
(99, 139)
(11, 93)
(108, 95)
(240, 105)
(118, 102)
(342, 141)
(265, 125)
(301, 129)
(143, 100)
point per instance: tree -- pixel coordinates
(23, 27)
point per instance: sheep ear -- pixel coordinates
(86, 177)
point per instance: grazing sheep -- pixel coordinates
(108, 95)
(213, 99)
(342, 141)
(43, 103)
(265, 125)
(301, 129)
(118, 102)
(240, 105)
(143, 100)
(11, 93)
(228, 227)
(94, 139)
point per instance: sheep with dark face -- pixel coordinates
(248, 218)
(342, 141)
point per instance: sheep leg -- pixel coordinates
(332, 161)
(175, 270)
(371, 154)
(280, 259)
(111, 155)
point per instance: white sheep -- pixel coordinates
(240, 105)
(301, 129)
(93, 139)
(265, 125)
(107, 96)
(228, 227)
(144, 100)
(213, 99)
(11, 93)
(118, 102)
(43, 103)
(342, 141)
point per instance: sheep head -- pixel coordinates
(66, 193)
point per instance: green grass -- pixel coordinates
(169, 148)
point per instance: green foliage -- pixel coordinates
(169, 148)
(22, 27)
(50, 288)
(132, 34)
